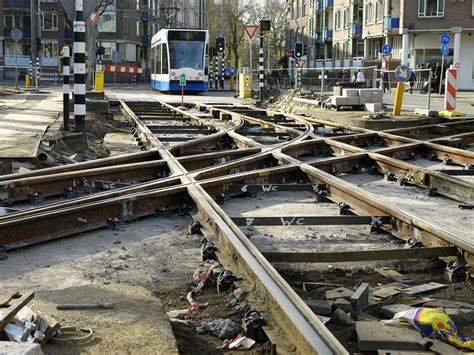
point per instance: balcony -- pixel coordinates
(19, 60)
(144, 15)
(356, 30)
(327, 4)
(327, 35)
(391, 23)
(145, 39)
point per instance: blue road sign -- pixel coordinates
(444, 50)
(444, 39)
(386, 49)
(402, 73)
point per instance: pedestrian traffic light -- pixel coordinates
(265, 27)
(100, 51)
(299, 48)
(220, 44)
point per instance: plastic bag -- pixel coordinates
(433, 323)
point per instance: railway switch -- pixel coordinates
(456, 272)
(208, 251)
(225, 281)
(252, 326)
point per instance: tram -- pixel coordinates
(179, 51)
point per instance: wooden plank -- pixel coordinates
(363, 255)
(13, 307)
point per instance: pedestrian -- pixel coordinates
(345, 76)
(412, 80)
(385, 85)
(360, 79)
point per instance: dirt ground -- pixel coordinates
(143, 269)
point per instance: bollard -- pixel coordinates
(261, 83)
(232, 82)
(79, 69)
(27, 81)
(66, 72)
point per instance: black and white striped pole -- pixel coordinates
(66, 72)
(261, 82)
(216, 76)
(222, 70)
(30, 71)
(264, 30)
(79, 69)
(210, 71)
(38, 73)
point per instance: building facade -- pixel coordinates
(124, 29)
(344, 33)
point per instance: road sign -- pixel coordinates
(251, 30)
(444, 50)
(88, 7)
(444, 39)
(387, 57)
(94, 17)
(387, 49)
(300, 62)
(402, 73)
(182, 79)
(16, 34)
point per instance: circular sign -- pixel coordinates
(386, 49)
(457, 65)
(16, 34)
(444, 50)
(445, 39)
(403, 73)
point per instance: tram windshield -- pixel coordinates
(186, 54)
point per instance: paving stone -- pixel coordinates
(12, 347)
(372, 336)
(320, 307)
(359, 300)
(390, 310)
(340, 292)
(343, 304)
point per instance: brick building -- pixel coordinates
(124, 30)
(342, 33)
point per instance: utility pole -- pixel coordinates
(35, 36)
(222, 17)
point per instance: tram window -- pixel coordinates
(165, 59)
(186, 54)
(206, 61)
(158, 59)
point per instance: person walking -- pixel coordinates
(385, 85)
(360, 79)
(412, 80)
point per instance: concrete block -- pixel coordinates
(353, 101)
(377, 92)
(342, 304)
(338, 100)
(365, 93)
(99, 106)
(340, 292)
(14, 348)
(373, 107)
(350, 92)
(359, 300)
(337, 90)
(365, 100)
(390, 310)
(95, 95)
(372, 336)
(376, 100)
(320, 307)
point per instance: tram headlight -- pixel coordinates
(199, 74)
(173, 73)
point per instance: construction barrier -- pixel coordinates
(451, 89)
(118, 69)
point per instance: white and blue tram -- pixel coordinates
(179, 51)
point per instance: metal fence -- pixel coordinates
(420, 80)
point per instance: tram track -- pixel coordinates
(230, 151)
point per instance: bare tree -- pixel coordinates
(236, 12)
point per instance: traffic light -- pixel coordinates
(299, 48)
(100, 51)
(212, 51)
(220, 44)
(265, 27)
